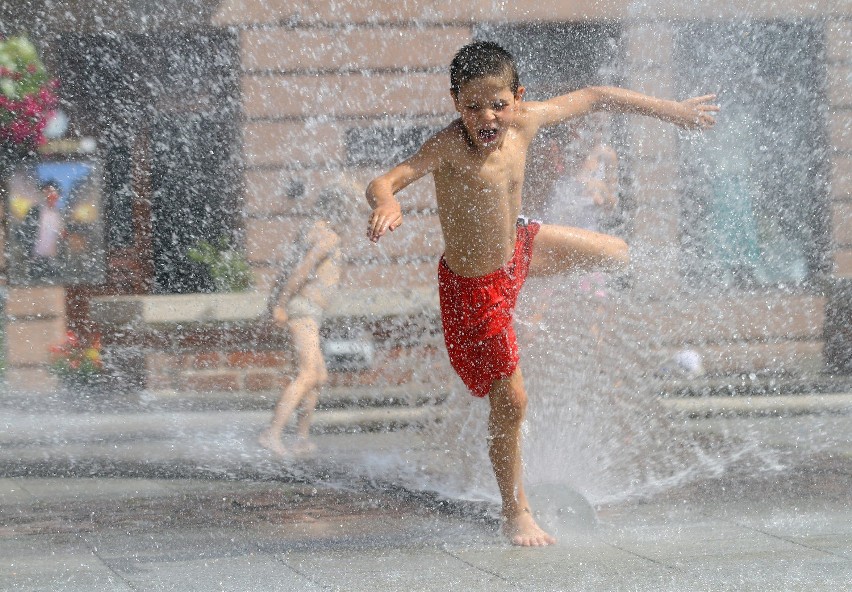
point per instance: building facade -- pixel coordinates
(228, 118)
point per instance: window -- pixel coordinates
(755, 187)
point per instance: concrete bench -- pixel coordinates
(169, 310)
(143, 333)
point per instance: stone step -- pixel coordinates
(776, 405)
(26, 429)
(752, 385)
(332, 397)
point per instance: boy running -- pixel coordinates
(477, 163)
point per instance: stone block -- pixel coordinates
(253, 12)
(46, 301)
(253, 359)
(218, 381)
(843, 263)
(841, 220)
(290, 50)
(839, 41)
(263, 380)
(293, 144)
(788, 357)
(203, 361)
(652, 141)
(269, 240)
(649, 45)
(745, 319)
(345, 95)
(840, 130)
(841, 177)
(656, 182)
(30, 379)
(840, 86)
(29, 341)
(422, 275)
(838, 326)
(653, 227)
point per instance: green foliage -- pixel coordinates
(228, 268)
(22, 71)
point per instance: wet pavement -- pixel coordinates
(105, 505)
(786, 532)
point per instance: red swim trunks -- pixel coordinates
(477, 316)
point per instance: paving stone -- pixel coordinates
(12, 491)
(401, 569)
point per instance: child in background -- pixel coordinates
(298, 301)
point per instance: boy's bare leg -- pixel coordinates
(508, 401)
(303, 426)
(560, 249)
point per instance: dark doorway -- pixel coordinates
(163, 108)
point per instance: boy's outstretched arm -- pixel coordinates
(693, 113)
(381, 192)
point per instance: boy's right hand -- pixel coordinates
(387, 216)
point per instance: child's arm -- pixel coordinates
(381, 192)
(693, 113)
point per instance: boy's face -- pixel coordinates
(487, 107)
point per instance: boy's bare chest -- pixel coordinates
(498, 175)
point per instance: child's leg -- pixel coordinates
(305, 335)
(306, 416)
(559, 249)
(306, 412)
(508, 402)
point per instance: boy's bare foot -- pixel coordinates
(523, 531)
(272, 443)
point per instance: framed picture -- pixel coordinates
(54, 223)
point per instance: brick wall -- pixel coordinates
(839, 70)
(308, 78)
(314, 72)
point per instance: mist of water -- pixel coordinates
(592, 365)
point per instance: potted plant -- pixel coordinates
(227, 268)
(78, 364)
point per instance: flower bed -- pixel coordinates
(77, 361)
(27, 97)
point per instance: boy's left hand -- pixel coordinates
(696, 113)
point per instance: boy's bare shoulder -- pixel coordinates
(452, 134)
(531, 116)
(447, 142)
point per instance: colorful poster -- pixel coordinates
(55, 224)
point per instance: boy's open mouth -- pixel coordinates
(487, 135)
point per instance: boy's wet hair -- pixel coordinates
(479, 60)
